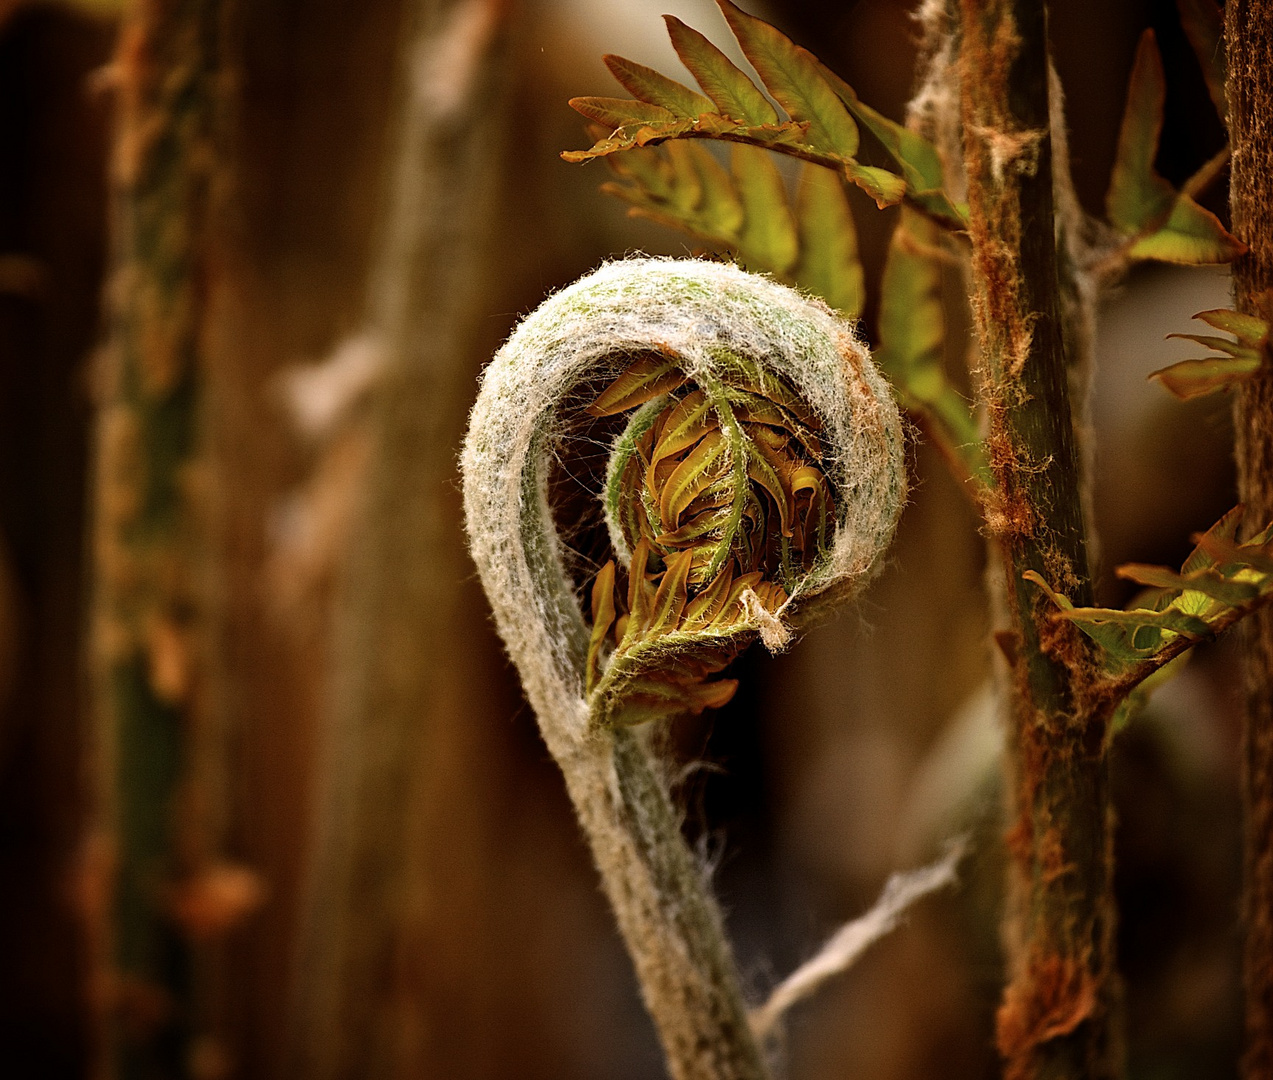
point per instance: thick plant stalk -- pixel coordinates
(1249, 46)
(691, 311)
(149, 603)
(1055, 1020)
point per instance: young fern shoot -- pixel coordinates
(756, 474)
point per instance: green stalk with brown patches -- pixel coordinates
(1055, 1016)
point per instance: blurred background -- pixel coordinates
(377, 870)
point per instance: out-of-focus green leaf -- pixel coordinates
(1224, 345)
(1207, 582)
(1248, 329)
(723, 213)
(791, 74)
(651, 86)
(917, 157)
(912, 329)
(1161, 223)
(1204, 26)
(1113, 635)
(1171, 619)
(681, 185)
(688, 189)
(812, 244)
(1252, 558)
(1225, 530)
(912, 324)
(734, 94)
(1191, 236)
(769, 230)
(1138, 197)
(1194, 378)
(828, 264)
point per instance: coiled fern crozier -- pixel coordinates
(755, 475)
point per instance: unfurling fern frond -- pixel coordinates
(756, 476)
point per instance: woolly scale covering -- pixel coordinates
(690, 307)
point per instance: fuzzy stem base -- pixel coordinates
(669, 921)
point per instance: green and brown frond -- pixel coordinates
(719, 502)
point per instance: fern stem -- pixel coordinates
(148, 607)
(1249, 45)
(1055, 1020)
(666, 914)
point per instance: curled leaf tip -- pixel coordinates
(754, 465)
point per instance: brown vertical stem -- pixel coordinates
(1055, 1016)
(1249, 44)
(149, 604)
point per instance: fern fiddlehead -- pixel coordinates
(756, 473)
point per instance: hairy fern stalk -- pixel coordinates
(755, 475)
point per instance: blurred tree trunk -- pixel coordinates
(311, 95)
(393, 939)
